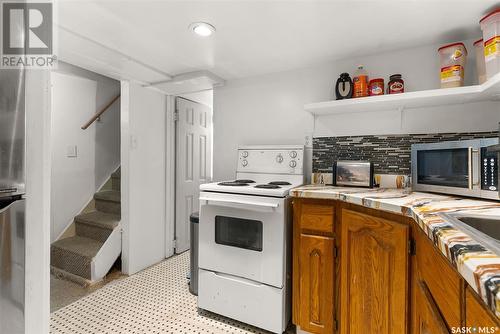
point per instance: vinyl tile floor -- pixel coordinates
(156, 300)
(64, 292)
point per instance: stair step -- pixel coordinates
(61, 274)
(116, 183)
(117, 173)
(74, 255)
(108, 201)
(108, 195)
(96, 225)
(116, 179)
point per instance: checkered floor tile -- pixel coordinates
(156, 300)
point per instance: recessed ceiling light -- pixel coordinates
(202, 28)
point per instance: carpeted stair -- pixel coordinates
(74, 255)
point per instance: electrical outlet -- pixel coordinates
(71, 151)
(308, 140)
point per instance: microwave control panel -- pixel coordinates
(489, 170)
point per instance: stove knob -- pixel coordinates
(293, 154)
(293, 163)
(279, 158)
(244, 154)
(244, 163)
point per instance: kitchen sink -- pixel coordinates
(489, 226)
(482, 228)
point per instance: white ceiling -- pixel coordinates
(205, 97)
(149, 41)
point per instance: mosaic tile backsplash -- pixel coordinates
(390, 154)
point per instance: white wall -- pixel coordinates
(107, 130)
(38, 161)
(77, 94)
(269, 109)
(73, 102)
(143, 130)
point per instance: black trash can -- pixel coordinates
(193, 233)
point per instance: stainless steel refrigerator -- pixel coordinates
(12, 202)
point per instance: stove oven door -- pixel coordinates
(243, 236)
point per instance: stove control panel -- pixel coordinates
(489, 170)
(272, 159)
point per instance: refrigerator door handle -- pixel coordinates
(8, 190)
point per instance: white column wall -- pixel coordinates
(38, 169)
(143, 119)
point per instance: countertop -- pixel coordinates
(479, 266)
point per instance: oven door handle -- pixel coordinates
(239, 279)
(240, 202)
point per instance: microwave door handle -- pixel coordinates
(476, 167)
(469, 173)
(232, 201)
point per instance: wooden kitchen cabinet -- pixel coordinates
(476, 315)
(364, 286)
(316, 217)
(374, 274)
(316, 284)
(445, 286)
(314, 266)
(426, 316)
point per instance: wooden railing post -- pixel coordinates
(98, 114)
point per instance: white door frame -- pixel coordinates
(170, 175)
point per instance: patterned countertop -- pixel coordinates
(479, 266)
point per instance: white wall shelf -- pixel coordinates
(488, 91)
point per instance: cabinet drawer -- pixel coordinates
(317, 217)
(476, 314)
(443, 281)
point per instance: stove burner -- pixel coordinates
(233, 184)
(267, 186)
(245, 181)
(280, 183)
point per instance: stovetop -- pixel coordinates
(262, 187)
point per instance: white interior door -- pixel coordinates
(193, 163)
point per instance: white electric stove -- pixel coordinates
(245, 238)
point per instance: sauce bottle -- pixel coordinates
(360, 82)
(396, 84)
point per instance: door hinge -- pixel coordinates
(176, 116)
(412, 247)
(335, 251)
(335, 325)
(174, 244)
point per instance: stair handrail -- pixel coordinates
(99, 113)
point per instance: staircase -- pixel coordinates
(88, 256)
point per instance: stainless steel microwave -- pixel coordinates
(465, 168)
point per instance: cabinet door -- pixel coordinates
(476, 314)
(426, 316)
(443, 282)
(316, 284)
(374, 275)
